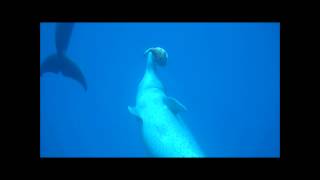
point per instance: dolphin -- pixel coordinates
(164, 131)
(59, 62)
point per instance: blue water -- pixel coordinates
(226, 74)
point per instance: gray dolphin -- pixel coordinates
(163, 129)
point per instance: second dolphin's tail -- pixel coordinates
(60, 63)
(63, 36)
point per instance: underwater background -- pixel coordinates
(226, 74)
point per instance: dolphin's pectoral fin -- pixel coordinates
(174, 105)
(134, 112)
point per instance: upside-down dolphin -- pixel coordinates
(59, 62)
(164, 131)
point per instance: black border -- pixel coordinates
(35, 53)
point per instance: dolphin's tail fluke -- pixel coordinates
(60, 63)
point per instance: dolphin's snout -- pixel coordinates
(160, 55)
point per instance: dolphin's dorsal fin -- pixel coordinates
(174, 105)
(134, 112)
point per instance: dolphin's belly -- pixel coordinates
(166, 136)
(149, 98)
